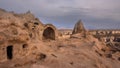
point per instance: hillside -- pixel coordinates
(25, 42)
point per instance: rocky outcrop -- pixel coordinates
(19, 31)
(79, 28)
(79, 31)
(22, 45)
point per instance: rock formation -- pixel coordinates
(78, 28)
(18, 31)
(25, 42)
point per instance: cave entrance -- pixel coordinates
(49, 33)
(9, 52)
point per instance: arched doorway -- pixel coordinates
(10, 52)
(49, 33)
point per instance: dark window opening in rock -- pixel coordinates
(49, 34)
(119, 58)
(26, 25)
(10, 52)
(103, 50)
(42, 56)
(36, 23)
(25, 46)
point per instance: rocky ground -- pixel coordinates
(81, 50)
(66, 53)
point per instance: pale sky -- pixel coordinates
(65, 13)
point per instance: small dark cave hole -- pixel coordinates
(36, 23)
(10, 52)
(25, 46)
(119, 58)
(26, 25)
(42, 56)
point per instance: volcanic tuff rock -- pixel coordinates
(18, 31)
(79, 28)
(25, 42)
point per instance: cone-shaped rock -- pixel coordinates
(78, 28)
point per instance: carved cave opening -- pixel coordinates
(49, 33)
(10, 52)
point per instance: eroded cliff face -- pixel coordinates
(18, 31)
(79, 28)
(25, 42)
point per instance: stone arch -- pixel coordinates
(49, 32)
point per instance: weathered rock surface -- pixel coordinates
(25, 42)
(18, 31)
(79, 28)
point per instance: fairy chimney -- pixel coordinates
(78, 28)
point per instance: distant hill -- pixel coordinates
(65, 29)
